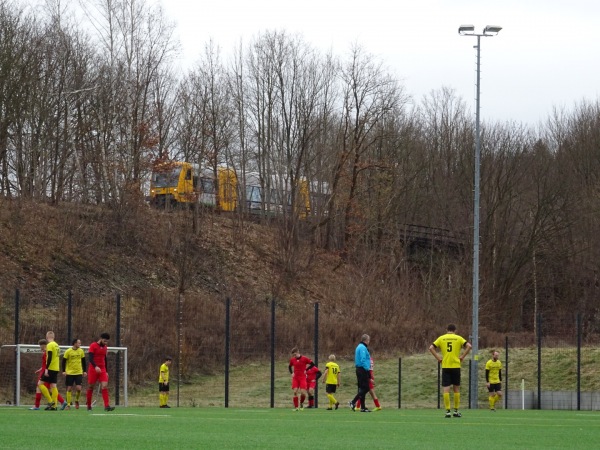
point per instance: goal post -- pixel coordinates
(11, 392)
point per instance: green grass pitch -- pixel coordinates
(218, 428)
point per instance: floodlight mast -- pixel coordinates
(488, 31)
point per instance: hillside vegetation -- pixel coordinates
(144, 254)
(95, 252)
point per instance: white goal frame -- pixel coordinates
(35, 348)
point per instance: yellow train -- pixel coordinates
(175, 183)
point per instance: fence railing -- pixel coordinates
(217, 362)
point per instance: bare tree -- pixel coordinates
(17, 85)
(369, 96)
(138, 45)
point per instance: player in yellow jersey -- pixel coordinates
(163, 383)
(332, 379)
(451, 345)
(50, 374)
(73, 367)
(493, 379)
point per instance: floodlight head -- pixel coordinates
(466, 29)
(492, 29)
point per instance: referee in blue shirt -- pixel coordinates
(362, 362)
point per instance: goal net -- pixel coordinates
(18, 364)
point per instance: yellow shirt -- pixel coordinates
(74, 358)
(494, 367)
(332, 373)
(53, 349)
(450, 345)
(163, 376)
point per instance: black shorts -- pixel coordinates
(51, 378)
(495, 387)
(162, 387)
(76, 380)
(330, 388)
(450, 377)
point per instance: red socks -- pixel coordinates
(105, 397)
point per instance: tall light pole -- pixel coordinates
(488, 31)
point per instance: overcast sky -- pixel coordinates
(547, 54)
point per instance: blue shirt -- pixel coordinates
(362, 358)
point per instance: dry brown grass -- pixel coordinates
(174, 275)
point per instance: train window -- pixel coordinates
(208, 185)
(188, 174)
(167, 178)
(274, 197)
(253, 197)
(253, 193)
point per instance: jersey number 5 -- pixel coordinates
(449, 347)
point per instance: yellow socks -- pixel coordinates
(447, 400)
(163, 399)
(55, 395)
(332, 400)
(45, 393)
(456, 400)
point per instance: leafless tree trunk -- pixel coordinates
(138, 46)
(369, 97)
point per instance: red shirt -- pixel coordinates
(299, 365)
(311, 374)
(99, 352)
(43, 361)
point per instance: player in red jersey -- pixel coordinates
(97, 371)
(371, 390)
(298, 366)
(38, 393)
(312, 375)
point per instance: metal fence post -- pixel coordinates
(179, 342)
(471, 368)
(539, 362)
(399, 383)
(578, 361)
(227, 348)
(17, 306)
(317, 352)
(506, 373)
(118, 343)
(273, 353)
